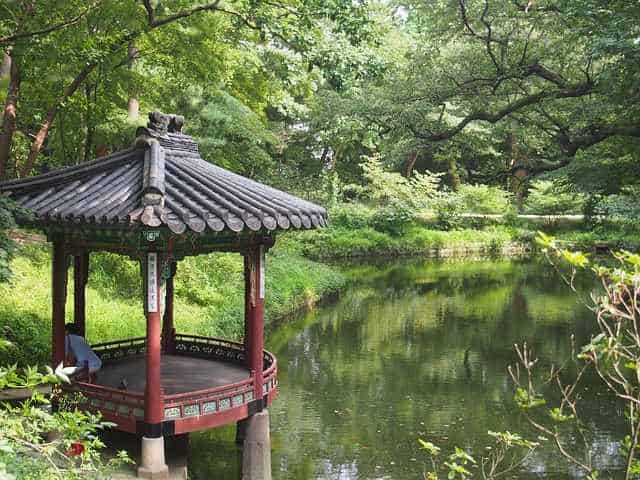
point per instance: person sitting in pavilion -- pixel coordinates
(79, 353)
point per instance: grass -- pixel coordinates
(209, 289)
(615, 238)
(343, 242)
(209, 297)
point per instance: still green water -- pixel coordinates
(417, 349)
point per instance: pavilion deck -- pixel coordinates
(205, 382)
(179, 374)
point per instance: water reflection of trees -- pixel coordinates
(418, 349)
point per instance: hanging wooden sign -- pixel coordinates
(152, 282)
(261, 272)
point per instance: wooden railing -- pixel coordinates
(119, 349)
(210, 348)
(110, 401)
(126, 407)
(218, 399)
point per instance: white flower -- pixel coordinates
(63, 372)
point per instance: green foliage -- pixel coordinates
(622, 208)
(229, 132)
(352, 216)
(557, 415)
(429, 447)
(527, 399)
(28, 377)
(449, 211)
(397, 198)
(7, 247)
(209, 297)
(550, 198)
(508, 451)
(340, 242)
(484, 199)
(613, 353)
(242, 71)
(27, 452)
(37, 444)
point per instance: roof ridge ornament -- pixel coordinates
(153, 185)
(158, 127)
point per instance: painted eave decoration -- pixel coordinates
(160, 181)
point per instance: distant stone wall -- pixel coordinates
(481, 250)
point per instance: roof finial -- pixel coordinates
(159, 125)
(175, 123)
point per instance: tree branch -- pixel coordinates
(594, 134)
(155, 22)
(573, 91)
(9, 39)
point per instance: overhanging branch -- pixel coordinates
(158, 22)
(10, 39)
(574, 91)
(594, 134)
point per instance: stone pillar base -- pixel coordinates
(256, 455)
(241, 432)
(152, 462)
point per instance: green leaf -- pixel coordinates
(429, 447)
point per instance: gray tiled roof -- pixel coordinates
(161, 181)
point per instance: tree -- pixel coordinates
(552, 79)
(59, 48)
(613, 354)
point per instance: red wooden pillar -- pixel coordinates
(58, 300)
(254, 276)
(153, 408)
(80, 278)
(168, 331)
(247, 307)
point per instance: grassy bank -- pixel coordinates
(615, 239)
(209, 297)
(342, 242)
(209, 289)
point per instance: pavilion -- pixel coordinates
(158, 202)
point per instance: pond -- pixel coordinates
(417, 349)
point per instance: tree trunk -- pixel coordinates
(517, 167)
(38, 142)
(88, 141)
(454, 177)
(9, 115)
(133, 106)
(410, 163)
(5, 66)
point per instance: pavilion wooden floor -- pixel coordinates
(180, 374)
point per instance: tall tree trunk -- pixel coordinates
(518, 169)
(454, 177)
(9, 114)
(38, 142)
(133, 105)
(88, 141)
(410, 163)
(5, 66)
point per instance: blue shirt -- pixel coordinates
(80, 349)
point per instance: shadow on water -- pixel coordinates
(415, 349)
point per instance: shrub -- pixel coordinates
(352, 215)
(484, 199)
(397, 198)
(551, 198)
(8, 210)
(622, 209)
(449, 210)
(28, 452)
